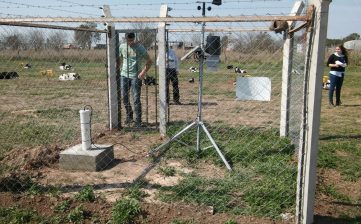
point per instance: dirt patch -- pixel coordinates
(327, 206)
(41, 166)
(29, 159)
(151, 212)
(45, 205)
(163, 213)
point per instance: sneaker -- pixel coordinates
(331, 104)
(177, 102)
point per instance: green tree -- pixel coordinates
(35, 40)
(253, 42)
(352, 36)
(13, 42)
(335, 42)
(56, 40)
(146, 37)
(85, 38)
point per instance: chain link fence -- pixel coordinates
(229, 78)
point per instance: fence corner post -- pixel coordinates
(163, 106)
(112, 73)
(313, 104)
(287, 74)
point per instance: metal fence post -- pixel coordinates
(162, 76)
(287, 73)
(112, 74)
(314, 108)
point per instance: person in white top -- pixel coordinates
(172, 72)
(337, 62)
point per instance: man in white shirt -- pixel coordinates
(172, 75)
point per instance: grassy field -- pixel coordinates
(41, 111)
(339, 157)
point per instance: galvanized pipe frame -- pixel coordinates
(215, 19)
(47, 26)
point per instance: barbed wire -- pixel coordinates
(48, 7)
(74, 4)
(73, 7)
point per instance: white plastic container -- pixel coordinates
(85, 129)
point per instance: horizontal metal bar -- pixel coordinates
(47, 26)
(156, 19)
(135, 30)
(219, 29)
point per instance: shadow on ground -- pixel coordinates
(319, 219)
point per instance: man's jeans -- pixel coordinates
(172, 77)
(134, 85)
(335, 85)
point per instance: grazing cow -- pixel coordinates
(238, 70)
(229, 66)
(193, 69)
(64, 66)
(69, 76)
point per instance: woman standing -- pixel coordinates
(337, 63)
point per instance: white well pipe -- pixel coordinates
(85, 129)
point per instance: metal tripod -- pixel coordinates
(198, 122)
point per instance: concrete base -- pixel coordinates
(95, 159)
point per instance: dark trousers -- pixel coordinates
(133, 85)
(335, 85)
(172, 77)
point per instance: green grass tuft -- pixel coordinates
(125, 211)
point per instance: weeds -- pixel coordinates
(125, 211)
(167, 171)
(76, 215)
(17, 216)
(62, 206)
(134, 192)
(86, 194)
(36, 189)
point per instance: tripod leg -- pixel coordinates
(198, 139)
(215, 146)
(171, 139)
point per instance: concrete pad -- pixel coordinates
(97, 158)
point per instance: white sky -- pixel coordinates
(344, 16)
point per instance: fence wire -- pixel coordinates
(49, 79)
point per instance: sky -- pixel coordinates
(344, 18)
(344, 15)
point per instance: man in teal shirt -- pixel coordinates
(135, 62)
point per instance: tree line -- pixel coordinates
(335, 42)
(37, 39)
